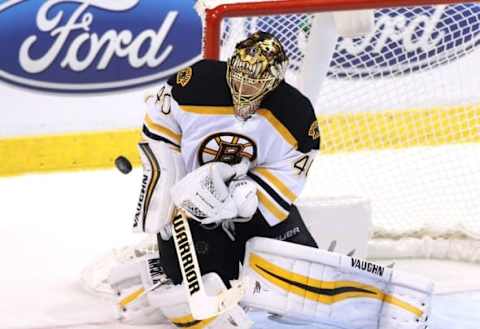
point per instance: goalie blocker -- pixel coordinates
(307, 284)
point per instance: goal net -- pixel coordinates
(398, 110)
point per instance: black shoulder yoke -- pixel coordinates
(205, 84)
(202, 84)
(296, 113)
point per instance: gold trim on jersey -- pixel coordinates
(208, 110)
(162, 130)
(228, 110)
(279, 127)
(325, 292)
(271, 206)
(189, 322)
(276, 182)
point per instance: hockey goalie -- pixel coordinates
(226, 150)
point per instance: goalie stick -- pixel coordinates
(202, 305)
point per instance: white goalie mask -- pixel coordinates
(257, 67)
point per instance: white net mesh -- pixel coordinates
(399, 114)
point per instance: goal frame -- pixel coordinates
(214, 16)
(214, 12)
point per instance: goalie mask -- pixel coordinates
(257, 67)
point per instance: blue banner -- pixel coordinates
(96, 45)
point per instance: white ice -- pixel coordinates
(54, 224)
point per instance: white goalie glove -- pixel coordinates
(244, 195)
(162, 167)
(206, 197)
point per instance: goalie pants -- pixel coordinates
(216, 252)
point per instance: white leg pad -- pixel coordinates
(173, 303)
(310, 284)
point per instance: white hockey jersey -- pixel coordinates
(194, 112)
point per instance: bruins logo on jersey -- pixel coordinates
(314, 131)
(184, 76)
(227, 147)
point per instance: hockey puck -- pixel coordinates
(123, 164)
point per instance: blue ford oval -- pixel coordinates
(96, 46)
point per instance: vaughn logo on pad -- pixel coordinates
(96, 45)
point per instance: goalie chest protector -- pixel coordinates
(205, 84)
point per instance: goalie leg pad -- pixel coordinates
(131, 283)
(305, 283)
(173, 302)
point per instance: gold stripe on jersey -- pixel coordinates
(276, 182)
(228, 110)
(162, 130)
(325, 292)
(279, 127)
(208, 110)
(278, 212)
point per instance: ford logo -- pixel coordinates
(96, 45)
(409, 39)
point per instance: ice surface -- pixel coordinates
(53, 225)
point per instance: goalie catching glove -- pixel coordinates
(215, 192)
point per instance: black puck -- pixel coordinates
(123, 164)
